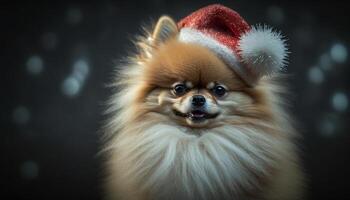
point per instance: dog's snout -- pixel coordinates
(198, 100)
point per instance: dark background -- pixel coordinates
(56, 59)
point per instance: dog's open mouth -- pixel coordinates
(196, 115)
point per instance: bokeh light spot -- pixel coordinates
(316, 75)
(340, 101)
(29, 170)
(21, 115)
(81, 70)
(325, 61)
(71, 86)
(35, 65)
(339, 53)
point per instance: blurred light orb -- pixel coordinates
(275, 15)
(81, 69)
(74, 16)
(71, 86)
(21, 115)
(29, 170)
(49, 40)
(325, 61)
(316, 75)
(35, 65)
(340, 101)
(339, 53)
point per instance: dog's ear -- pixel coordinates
(165, 29)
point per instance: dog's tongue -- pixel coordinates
(197, 113)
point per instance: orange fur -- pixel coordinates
(175, 61)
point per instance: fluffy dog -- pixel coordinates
(187, 123)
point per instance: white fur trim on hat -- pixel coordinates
(190, 35)
(263, 50)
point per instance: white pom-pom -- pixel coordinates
(263, 50)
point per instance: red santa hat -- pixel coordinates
(251, 52)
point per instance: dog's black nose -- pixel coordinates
(198, 100)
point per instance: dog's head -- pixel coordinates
(189, 84)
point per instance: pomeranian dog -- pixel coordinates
(198, 114)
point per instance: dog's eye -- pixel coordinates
(180, 89)
(219, 91)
